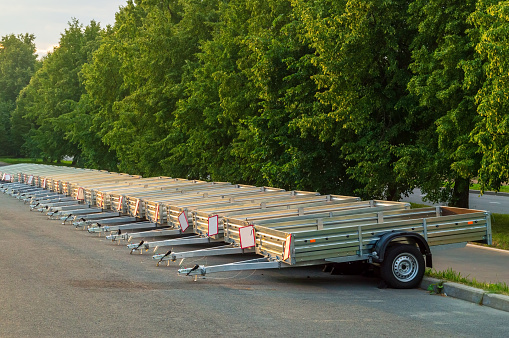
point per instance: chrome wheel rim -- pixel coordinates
(405, 267)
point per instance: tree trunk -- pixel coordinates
(460, 193)
(393, 193)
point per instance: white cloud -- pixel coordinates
(41, 53)
(49, 18)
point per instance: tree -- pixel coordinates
(491, 132)
(54, 91)
(17, 64)
(136, 80)
(442, 160)
(362, 51)
(274, 147)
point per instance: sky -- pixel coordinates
(47, 19)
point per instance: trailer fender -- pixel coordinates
(381, 245)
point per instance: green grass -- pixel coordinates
(476, 186)
(456, 277)
(12, 160)
(417, 205)
(500, 230)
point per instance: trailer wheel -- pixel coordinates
(403, 266)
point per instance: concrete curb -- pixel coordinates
(478, 192)
(468, 293)
(487, 248)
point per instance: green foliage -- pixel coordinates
(206, 120)
(17, 160)
(456, 277)
(371, 98)
(500, 230)
(446, 113)
(477, 186)
(363, 57)
(137, 77)
(51, 98)
(418, 205)
(491, 19)
(272, 148)
(17, 65)
(437, 288)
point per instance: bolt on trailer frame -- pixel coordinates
(231, 194)
(397, 241)
(80, 177)
(136, 207)
(16, 171)
(103, 195)
(209, 223)
(253, 199)
(79, 188)
(57, 180)
(78, 200)
(136, 203)
(78, 209)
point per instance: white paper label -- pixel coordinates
(30, 179)
(80, 194)
(247, 237)
(183, 221)
(213, 225)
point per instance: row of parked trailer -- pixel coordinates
(284, 228)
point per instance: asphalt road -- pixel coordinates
(59, 282)
(490, 202)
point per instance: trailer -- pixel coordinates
(149, 206)
(283, 231)
(209, 223)
(180, 212)
(399, 243)
(166, 223)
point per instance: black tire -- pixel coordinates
(403, 266)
